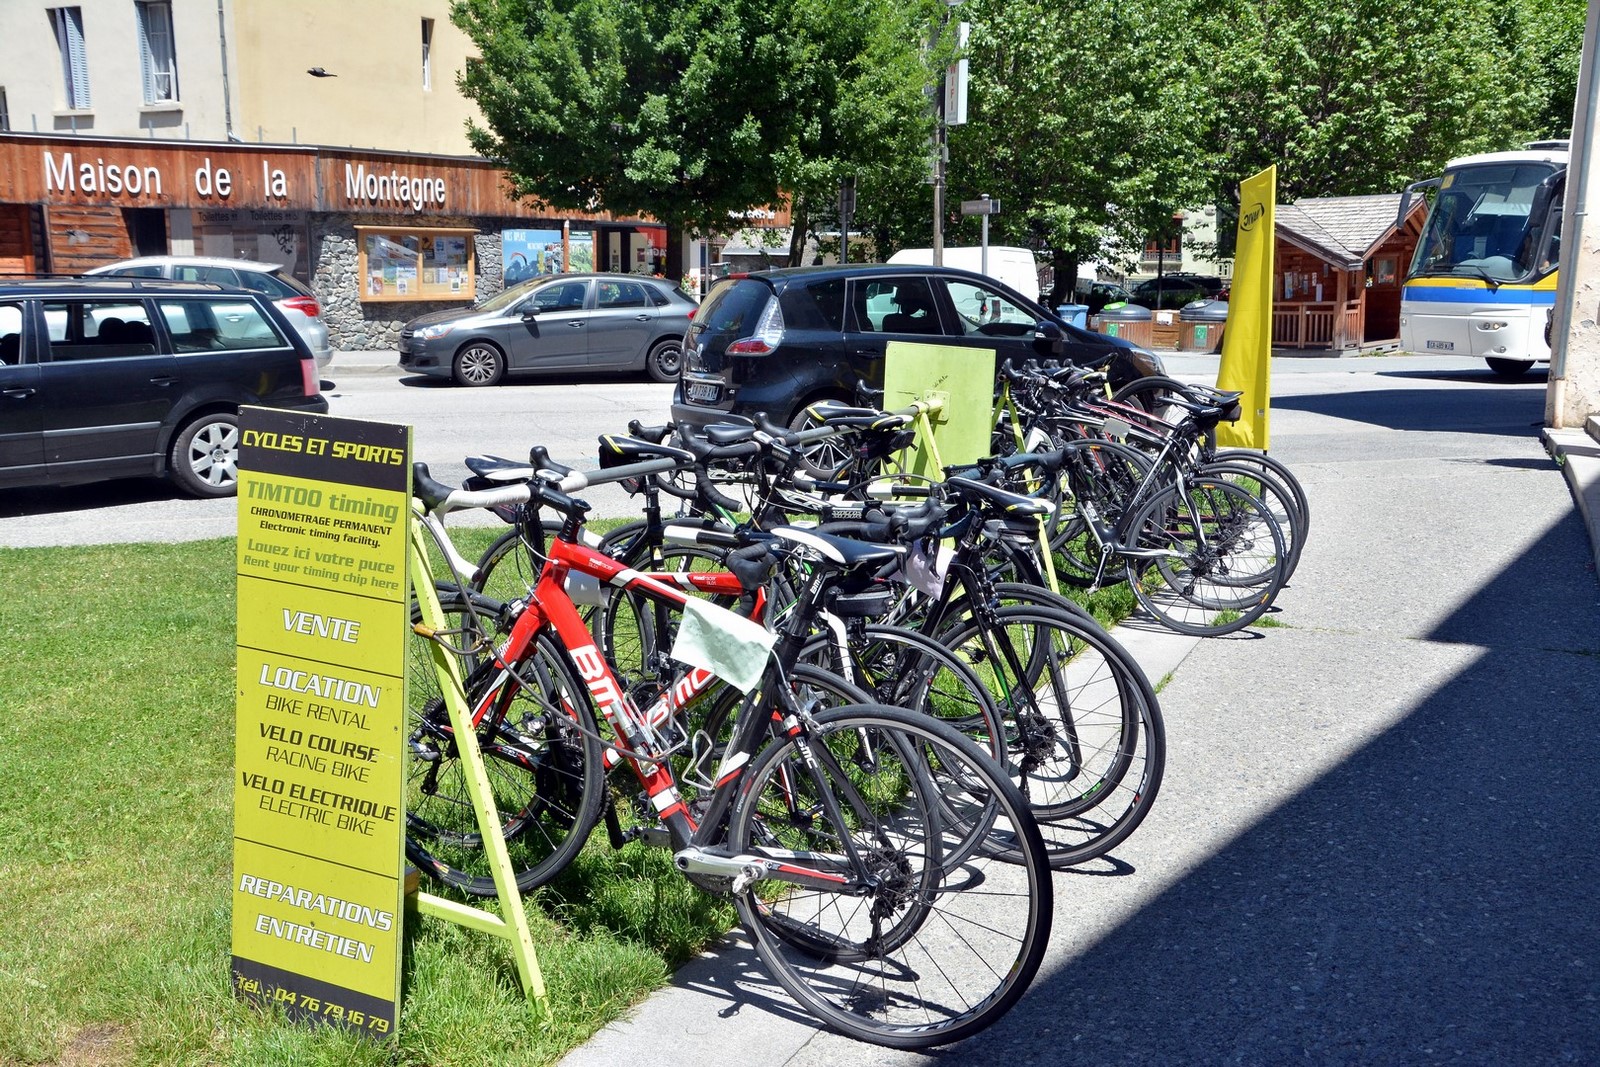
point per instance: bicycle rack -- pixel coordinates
(512, 924)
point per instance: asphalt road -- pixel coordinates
(566, 416)
(447, 423)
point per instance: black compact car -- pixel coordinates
(777, 341)
(121, 377)
(1175, 290)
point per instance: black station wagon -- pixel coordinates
(120, 378)
(777, 341)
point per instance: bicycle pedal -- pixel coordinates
(651, 836)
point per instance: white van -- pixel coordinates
(1009, 266)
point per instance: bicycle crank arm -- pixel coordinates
(746, 869)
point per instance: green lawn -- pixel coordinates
(116, 771)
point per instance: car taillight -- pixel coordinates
(768, 334)
(310, 383)
(306, 305)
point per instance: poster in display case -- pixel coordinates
(415, 263)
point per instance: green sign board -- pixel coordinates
(323, 607)
(962, 380)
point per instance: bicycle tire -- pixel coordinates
(1218, 578)
(1152, 394)
(540, 755)
(1091, 772)
(1277, 498)
(928, 952)
(1275, 468)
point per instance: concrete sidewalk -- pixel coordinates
(1375, 839)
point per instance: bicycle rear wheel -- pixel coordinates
(913, 950)
(1086, 743)
(1220, 558)
(540, 755)
(1277, 497)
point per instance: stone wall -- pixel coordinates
(355, 326)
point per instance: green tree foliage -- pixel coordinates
(1366, 96)
(694, 110)
(1088, 119)
(1085, 119)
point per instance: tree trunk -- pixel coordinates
(800, 223)
(1065, 263)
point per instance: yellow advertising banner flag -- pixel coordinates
(1247, 338)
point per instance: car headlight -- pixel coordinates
(1147, 359)
(433, 333)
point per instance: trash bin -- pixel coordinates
(1201, 323)
(1129, 321)
(1074, 314)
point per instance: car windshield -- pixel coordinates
(502, 300)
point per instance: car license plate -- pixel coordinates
(1442, 346)
(703, 392)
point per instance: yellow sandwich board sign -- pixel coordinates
(324, 506)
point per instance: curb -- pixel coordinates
(1577, 453)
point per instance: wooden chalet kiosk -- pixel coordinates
(1339, 264)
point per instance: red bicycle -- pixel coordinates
(861, 844)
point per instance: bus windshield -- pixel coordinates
(1480, 224)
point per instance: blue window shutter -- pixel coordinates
(74, 57)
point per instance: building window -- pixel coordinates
(158, 59)
(5, 110)
(427, 54)
(68, 23)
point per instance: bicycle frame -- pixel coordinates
(552, 608)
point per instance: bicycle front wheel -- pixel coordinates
(915, 948)
(1085, 739)
(540, 752)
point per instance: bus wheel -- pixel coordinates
(1509, 368)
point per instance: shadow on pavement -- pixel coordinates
(1515, 409)
(1434, 897)
(56, 500)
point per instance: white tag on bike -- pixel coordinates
(1115, 428)
(926, 566)
(724, 643)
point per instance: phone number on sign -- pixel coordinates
(303, 1005)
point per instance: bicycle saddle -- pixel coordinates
(1013, 505)
(617, 450)
(496, 469)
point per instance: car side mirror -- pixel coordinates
(1048, 335)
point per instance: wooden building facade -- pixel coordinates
(1339, 264)
(380, 236)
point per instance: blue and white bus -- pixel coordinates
(1483, 280)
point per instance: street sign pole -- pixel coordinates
(983, 206)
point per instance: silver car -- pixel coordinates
(560, 323)
(293, 297)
